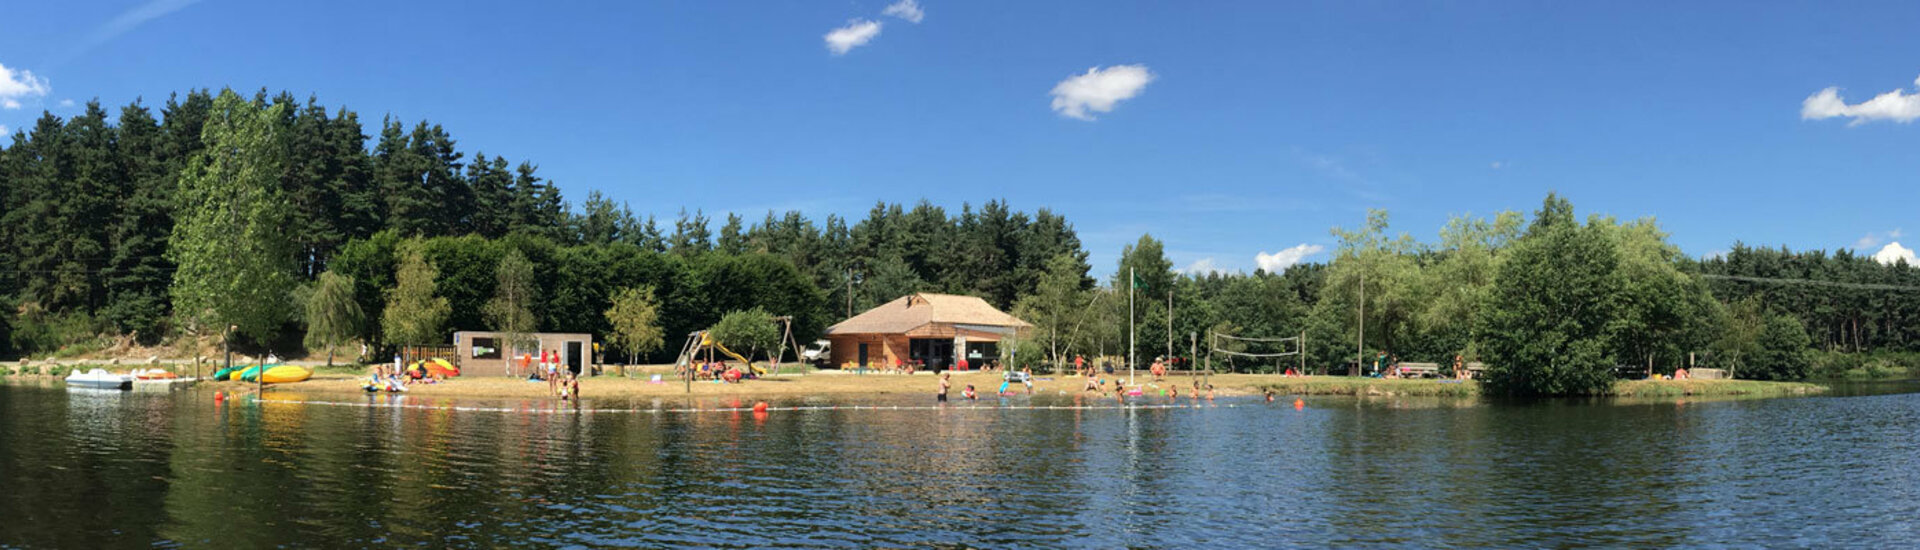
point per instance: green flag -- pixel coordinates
(1138, 283)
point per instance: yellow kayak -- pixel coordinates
(286, 374)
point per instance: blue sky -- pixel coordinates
(1259, 124)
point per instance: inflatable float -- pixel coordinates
(275, 374)
(435, 367)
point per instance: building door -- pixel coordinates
(863, 355)
(574, 353)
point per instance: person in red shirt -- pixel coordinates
(963, 364)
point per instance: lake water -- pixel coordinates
(94, 470)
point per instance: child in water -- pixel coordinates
(969, 393)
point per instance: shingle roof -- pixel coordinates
(916, 310)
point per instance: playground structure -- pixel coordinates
(1215, 340)
(702, 341)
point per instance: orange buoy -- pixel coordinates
(218, 397)
(760, 407)
(1299, 404)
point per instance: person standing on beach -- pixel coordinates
(946, 382)
(396, 366)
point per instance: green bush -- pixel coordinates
(63, 335)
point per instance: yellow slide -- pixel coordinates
(757, 370)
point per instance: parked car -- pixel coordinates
(819, 354)
(1016, 377)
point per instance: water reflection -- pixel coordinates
(84, 469)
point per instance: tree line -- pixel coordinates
(284, 220)
(1552, 304)
(110, 224)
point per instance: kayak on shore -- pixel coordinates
(275, 374)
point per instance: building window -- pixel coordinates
(486, 348)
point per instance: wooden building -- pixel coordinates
(485, 353)
(932, 331)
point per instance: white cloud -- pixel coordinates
(1498, 164)
(3, 130)
(1896, 106)
(1280, 261)
(20, 84)
(1202, 266)
(1099, 89)
(1874, 238)
(858, 32)
(906, 9)
(1893, 252)
(66, 103)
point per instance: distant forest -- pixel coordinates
(88, 248)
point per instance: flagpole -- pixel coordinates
(1131, 283)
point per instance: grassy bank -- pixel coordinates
(1679, 388)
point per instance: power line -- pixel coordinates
(1810, 282)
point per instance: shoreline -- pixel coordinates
(345, 381)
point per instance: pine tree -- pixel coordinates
(690, 234)
(452, 201)
(91, 182)
(361, 206)
(649, 237)
(492, 184)
(599, 221)
(312, 186)
(538, 209)
(139, 272)
(32, 218)
(733, 239)
(400, 172)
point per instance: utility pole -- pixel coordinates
(1360, 345)
(849, 292)
(1169, 324)
(1131, 352)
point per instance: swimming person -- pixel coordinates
(969, 393)
(946, 381)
